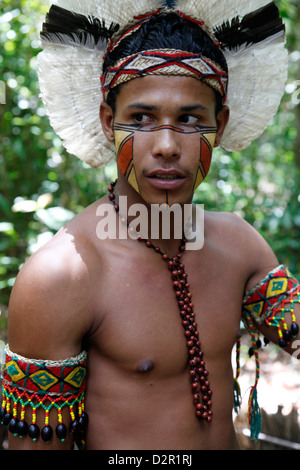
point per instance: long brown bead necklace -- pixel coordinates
(199, 374)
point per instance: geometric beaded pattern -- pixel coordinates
(45, 377)
(165, 62)
(29, 385)
(263, 303)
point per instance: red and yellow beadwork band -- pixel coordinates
(29, 384)
(271, 300)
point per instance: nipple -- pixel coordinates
(145, 366)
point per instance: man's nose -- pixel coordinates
(166, 143)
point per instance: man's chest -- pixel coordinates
(143, 319)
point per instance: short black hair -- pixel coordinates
(166, 30)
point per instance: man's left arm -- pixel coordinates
(273, 306)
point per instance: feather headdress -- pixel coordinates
(75, 37)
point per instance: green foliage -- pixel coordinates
(41, 186)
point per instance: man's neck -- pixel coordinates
(164, 226)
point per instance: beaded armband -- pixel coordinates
(29, 384)
(271, 300)
(268, 302)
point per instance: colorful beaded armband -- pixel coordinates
(268, 303)
(271, 300)
(29, 383)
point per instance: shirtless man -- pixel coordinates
(114, 297)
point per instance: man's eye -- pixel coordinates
(188, 119)
(142, 118)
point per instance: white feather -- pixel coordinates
(117, 11)
(74, 110)
(214, 12)
(257, 78)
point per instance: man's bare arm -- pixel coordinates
(48, 317)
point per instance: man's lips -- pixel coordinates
(166, 174)
(166, 178)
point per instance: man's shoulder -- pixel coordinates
(238, 237)
(51, 297)
(229, 224)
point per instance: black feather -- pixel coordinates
(253, 28)
(64, 23)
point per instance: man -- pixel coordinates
(158, 322)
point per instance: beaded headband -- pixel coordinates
(77, 36)
(165, 62)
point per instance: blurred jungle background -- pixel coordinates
(41, 186)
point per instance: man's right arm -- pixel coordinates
(48, 317)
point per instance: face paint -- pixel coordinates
(124, 141)
(207, 142)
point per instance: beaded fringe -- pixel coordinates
(285, 335)
(29, 385)
(23, 400)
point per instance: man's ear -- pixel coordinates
(222, 121)
(107, 121)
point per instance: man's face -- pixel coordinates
(165, 129)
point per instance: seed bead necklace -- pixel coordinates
(200, 385)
